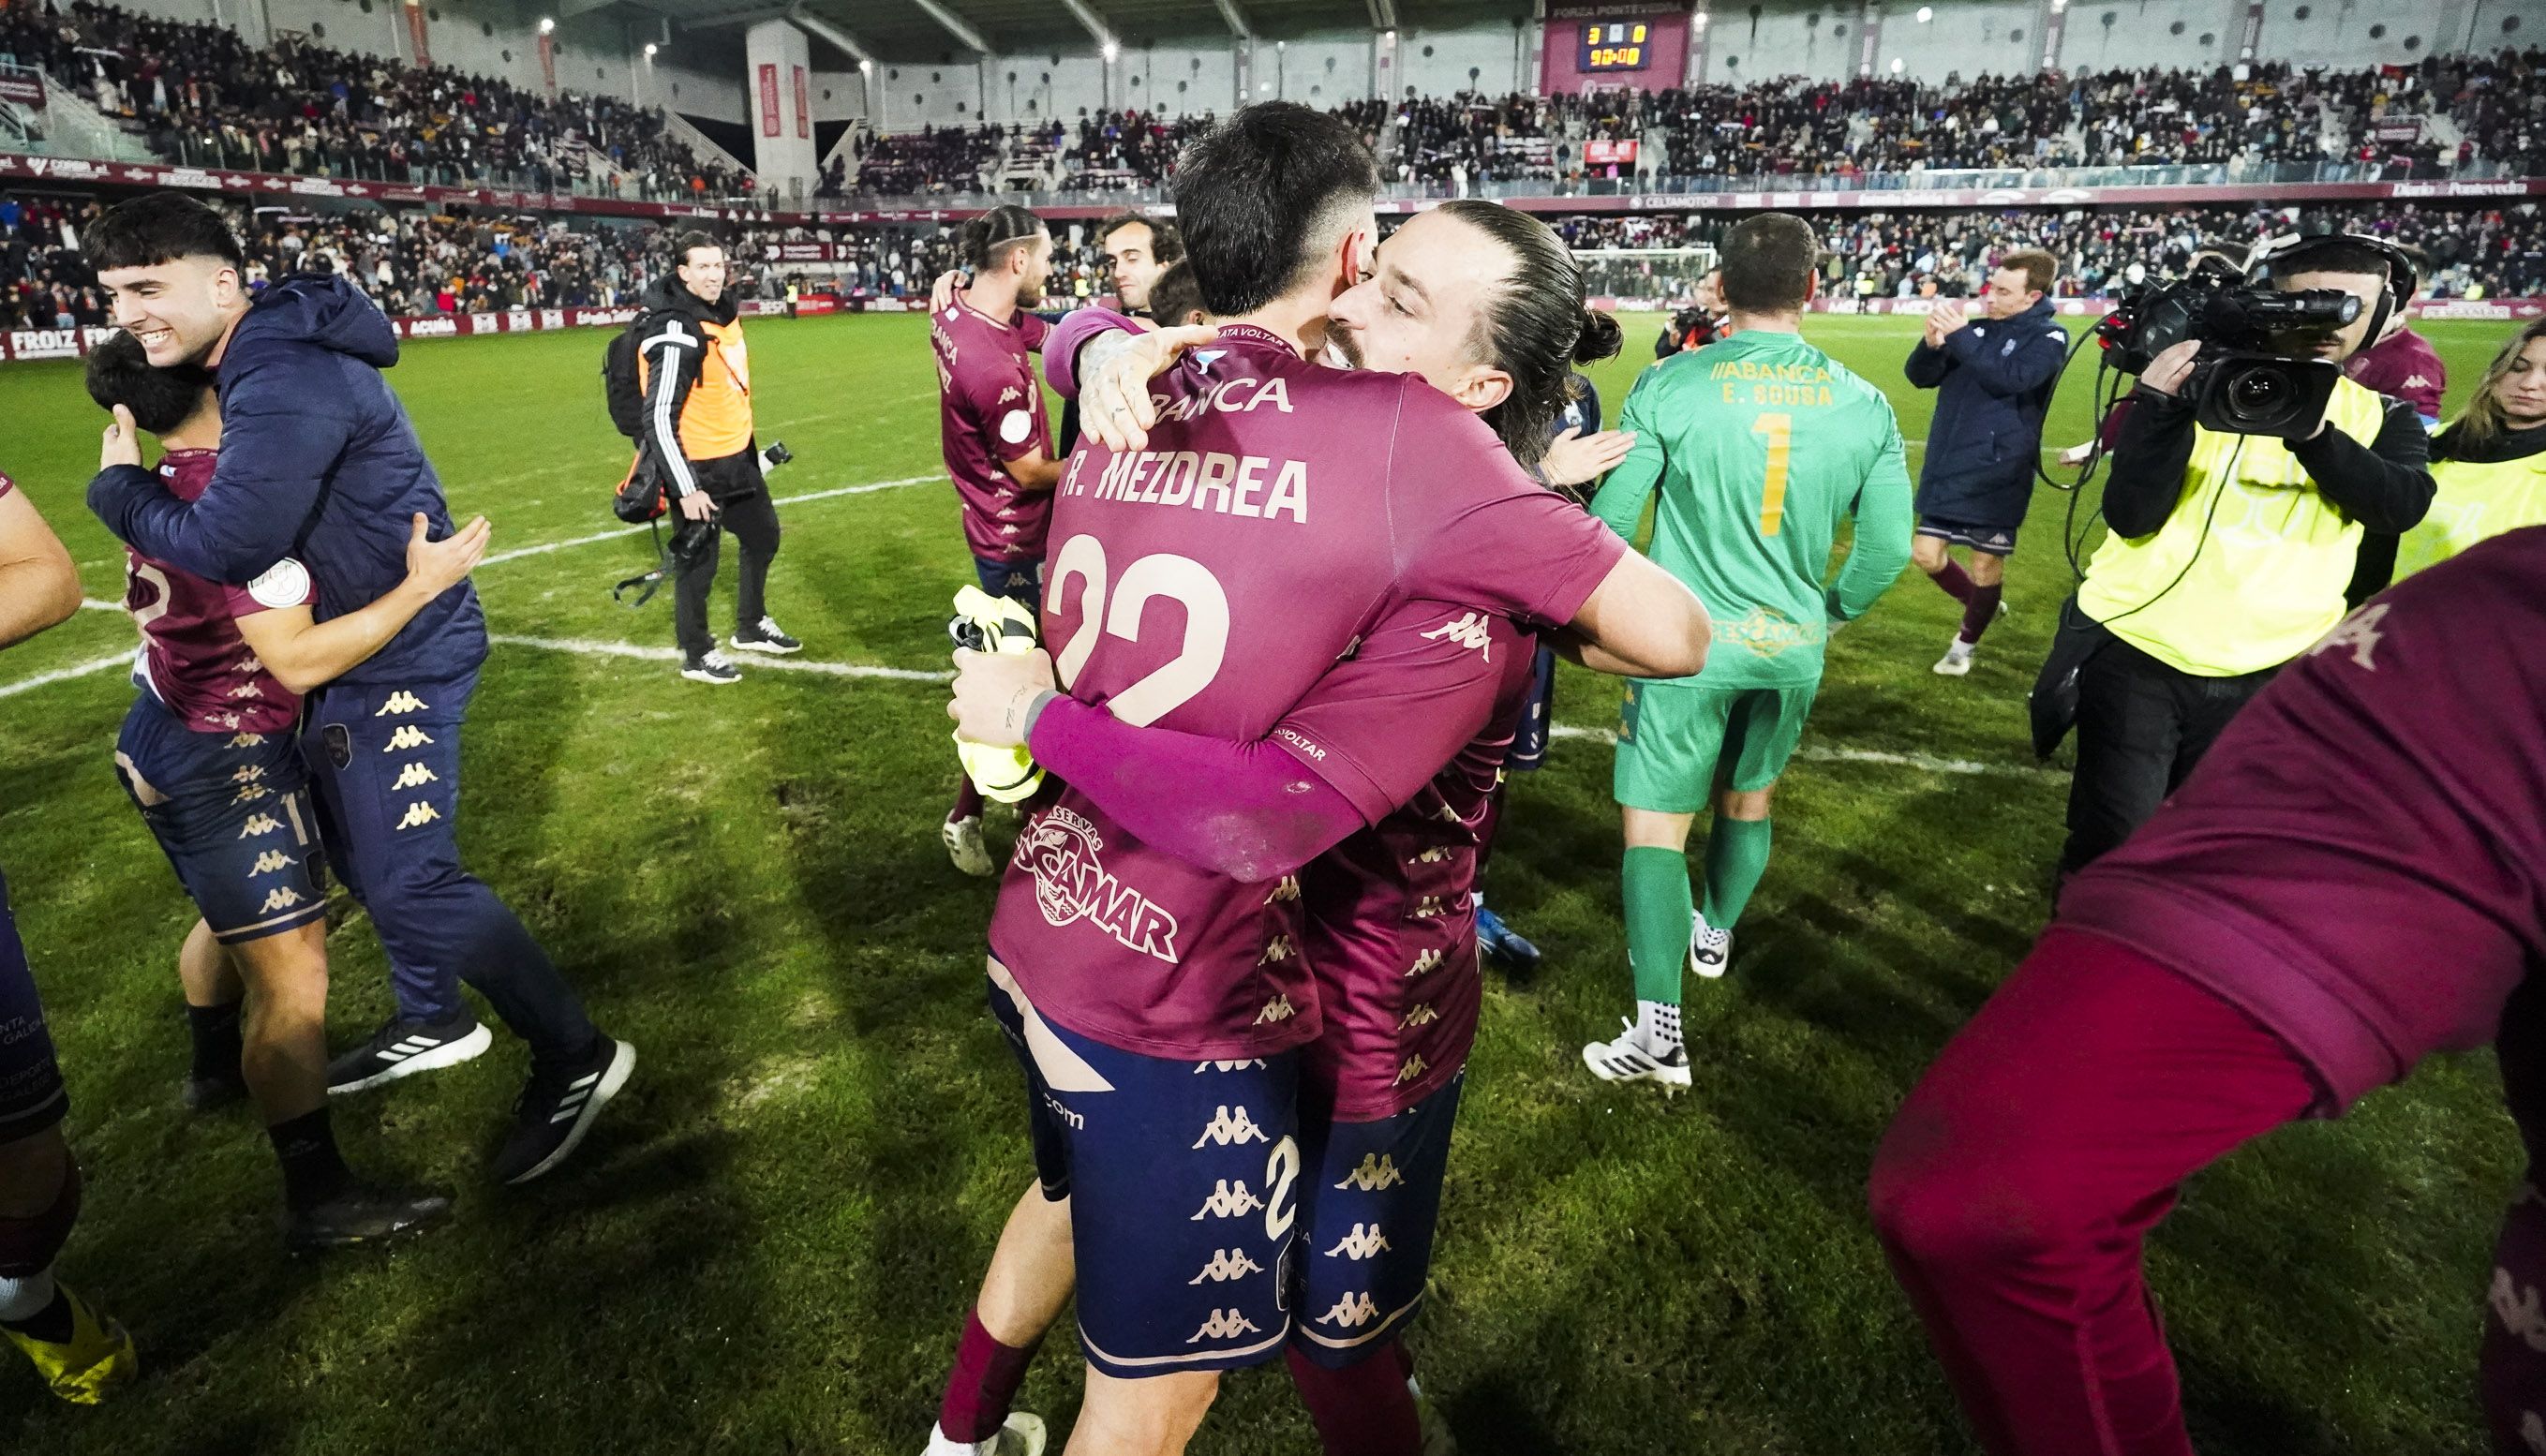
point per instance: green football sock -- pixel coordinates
(1736, 855)
(1661, 913)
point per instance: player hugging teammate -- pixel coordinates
(1350, 538)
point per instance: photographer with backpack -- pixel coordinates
(685, 398)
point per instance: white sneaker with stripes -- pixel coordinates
(1626, 1060)
(1708, 951)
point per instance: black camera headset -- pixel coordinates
(2404, 276)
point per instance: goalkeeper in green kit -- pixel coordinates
(1758, 445)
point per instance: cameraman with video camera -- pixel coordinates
(2244, 477)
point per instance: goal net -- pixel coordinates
(1656, 280)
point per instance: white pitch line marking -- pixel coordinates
(1926, 761)
(595, 648)
(545, 547)
(65, 674)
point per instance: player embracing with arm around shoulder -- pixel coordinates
(696, 378)
(997, 439)
(209, 755)
(1272, 514)
(1994, 379)
(1758, 447)
(2489, 466)
(318, 464)
(79, 1354)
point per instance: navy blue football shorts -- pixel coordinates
(232, 814)
(1996, 541)
(1367, 1213)
(1183, 1180)
(1018, 581)
(32, 1098)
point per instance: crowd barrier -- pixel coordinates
(32, 344)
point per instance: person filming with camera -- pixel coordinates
(2244, 477)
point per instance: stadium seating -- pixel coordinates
(201, 95)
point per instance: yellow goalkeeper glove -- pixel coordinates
(987, 624)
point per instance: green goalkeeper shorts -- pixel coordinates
(1674, 739)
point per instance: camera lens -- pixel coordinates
(2258, 391)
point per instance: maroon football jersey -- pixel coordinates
(1281, 513)
(2360, 862)
(2402, 365)
(1391, 934)
(192, 655)
(989, 409)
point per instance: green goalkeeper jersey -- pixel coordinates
(1758, 445)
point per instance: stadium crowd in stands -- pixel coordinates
(199, 93)
(1841, 131)
(2473, 252)
(417, 262)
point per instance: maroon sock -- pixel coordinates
(983, 1383)
(968, 801)
(1956, 584)
(1980, 610)
(1362, 1410)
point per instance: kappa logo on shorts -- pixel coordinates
(1427, 961)
(1437, 854)
(1421, 1015)
(1276, 951)
(259, 824)
(419, 813)
(1352, 1312)
(1470, 631)
(1425, 908)
(1377, 1172)
(250, 794)
(1277, 1010)
(273, 861)
(401, 702)
(407, 736)
(1060, 849)
(246, 773)
(1285, 889)
(1364, 1241)
(414, 775)
(1414, 1067)
(1226, 1264)
(1222, 1324)
(1226, 1129)
(279, 900)
(1226, 1202)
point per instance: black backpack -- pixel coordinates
(618, 382)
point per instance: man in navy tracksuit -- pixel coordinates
(1993, 377)
(319, 464)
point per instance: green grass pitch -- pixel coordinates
(767, 1245)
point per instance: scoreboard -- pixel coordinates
(1615, 46)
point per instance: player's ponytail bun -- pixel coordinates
(1535, 324)
(1601, 337)
(972, 242)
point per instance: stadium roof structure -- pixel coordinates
(954, 31)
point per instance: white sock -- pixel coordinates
(1960, 648)
(1656, 1027)
(22, 1300)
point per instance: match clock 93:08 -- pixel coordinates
(1614, 45)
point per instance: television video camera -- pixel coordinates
(2258, 372)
